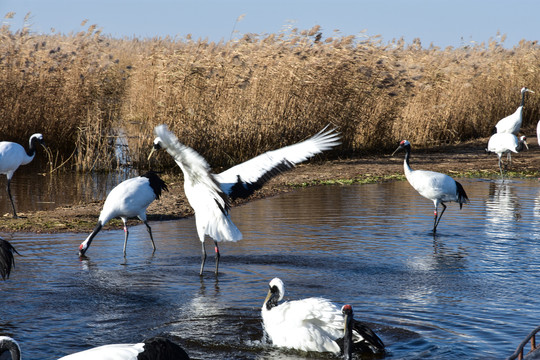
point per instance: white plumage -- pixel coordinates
(209, 194)
(154, 348)
(128, 199)
(437, 187)
(13, 155)
(538, 132)
(512, 123)
(312, 324)
(504, 143)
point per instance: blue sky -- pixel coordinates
(441, 22)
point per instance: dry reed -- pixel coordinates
(92, 95)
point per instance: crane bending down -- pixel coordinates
(153, 348)
(315, 324)
(437, 187)
(504, 143)
(128, 199)
(209, 194)
(7, 260)
(13, 155)
(512, 123)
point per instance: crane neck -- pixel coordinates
(520, 146)
(406, 165)
(8, 344)
(348, 338)
(32, 146)
(523, 99)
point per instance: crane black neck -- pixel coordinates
(32, 148)
(520, 146)
(523, 98)
(407, 149)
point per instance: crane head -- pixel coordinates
(155, 147)
(402, 145)
(523, 139)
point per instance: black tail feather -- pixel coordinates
(370, 343)
(161, 348)
(156, 183)
(7, 260)
(462, 197)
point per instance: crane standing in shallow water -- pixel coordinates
(13, 155)
(128, 199)
(437, 187)
(209, 194)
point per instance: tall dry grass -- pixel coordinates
(95, 95)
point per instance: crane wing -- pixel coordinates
(310, 324)
(244, 179)
(195, 168)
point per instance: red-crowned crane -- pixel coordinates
(437, 187)
(128, 199)
(504, 143)
(7, 260)
(209, 194)
(512, 123)
(315, 324)
(153, 348)
(13, 155)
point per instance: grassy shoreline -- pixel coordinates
(82, 218)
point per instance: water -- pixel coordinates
(33, 189)
(468, 293)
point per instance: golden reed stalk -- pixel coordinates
(96, 99)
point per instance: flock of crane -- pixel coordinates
(312, 324)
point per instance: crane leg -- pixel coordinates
(11, 199)
(126, 232)
(217, 256)
(203, 257)
(151, 237)
(435, 221)
(500, 167)
(440, 216)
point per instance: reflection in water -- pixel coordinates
(468, 292)
(502, 208)
(32, 189)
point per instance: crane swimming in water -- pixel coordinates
(437, 187)
(209, 194)
(315, 324)
(13, 155)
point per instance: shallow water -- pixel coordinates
(468, 293)
(34, 189)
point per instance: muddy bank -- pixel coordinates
(467, 159)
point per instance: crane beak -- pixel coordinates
(530, 91)
(271, 300)
(526, 145)
(399, 148)
(151, 152)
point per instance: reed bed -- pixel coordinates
(97, 99)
